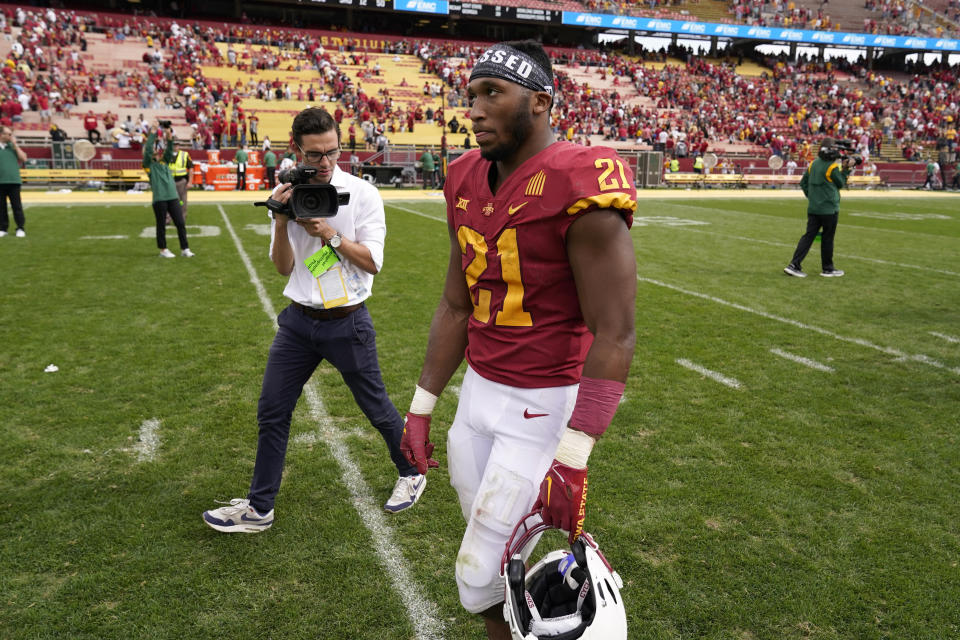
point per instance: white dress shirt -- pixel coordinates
(361, 220)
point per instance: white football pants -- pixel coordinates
(499, 448)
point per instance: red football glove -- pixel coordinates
(563, 498)
(415, 443)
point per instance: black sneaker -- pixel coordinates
(831, 273)
(794, 270)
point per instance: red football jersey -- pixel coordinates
(526, 329)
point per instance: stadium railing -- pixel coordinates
(115, 177)
(755, 179)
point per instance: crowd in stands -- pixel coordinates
(684, 109)
(689, 108)
(44, 71)
(889, 17)
(665, 9)
(882, 17)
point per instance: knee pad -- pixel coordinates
(478, 574)
(502, 498)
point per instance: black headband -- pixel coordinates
(501, 61)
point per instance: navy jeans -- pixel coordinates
(301, 344)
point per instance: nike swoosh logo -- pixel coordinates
(528, 415)
(244, 518)
(513, 209)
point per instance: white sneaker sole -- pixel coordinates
(238, 528)
(406, 505)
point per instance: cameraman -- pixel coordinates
(311, 331)
(158, 153)
(821, 184)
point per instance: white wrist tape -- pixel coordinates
(423, 402)
(574, 448)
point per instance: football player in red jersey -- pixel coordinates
(539, 298)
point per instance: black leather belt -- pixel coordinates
(336, 313)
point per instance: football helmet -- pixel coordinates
(567, 595)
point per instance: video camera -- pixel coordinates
(841, 149)
(306, 200)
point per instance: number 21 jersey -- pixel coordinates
(526, 329)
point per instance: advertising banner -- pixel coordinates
(775, 34)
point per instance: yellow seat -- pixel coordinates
(276, 116)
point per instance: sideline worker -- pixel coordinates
(181, 169)
(11, 157)
(821, 184)
(158, 153)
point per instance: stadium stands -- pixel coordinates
(674, 102)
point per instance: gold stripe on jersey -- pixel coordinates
(618, 200)
(536, 184)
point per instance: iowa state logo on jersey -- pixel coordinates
(488, 209)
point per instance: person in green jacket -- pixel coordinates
(933, 169)
(11, 157)
(821, 184)
(240, 159)
(157, 156)
(270, 163)
(427, 167)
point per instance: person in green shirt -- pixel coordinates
(158, 153)
(821, 184)
(933, 168)
(427, 166)
(270, 163)
(11, 156)
(240, 158)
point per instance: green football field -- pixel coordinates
(785, 463)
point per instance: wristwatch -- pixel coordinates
(335, 240)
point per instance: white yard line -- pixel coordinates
(733, 383)
(318, 437)
(148, 441)
(414, 212)
(896, 353)
(943, 336)
(422, 613)
(807, 362)
(799, 228)
(785, 245)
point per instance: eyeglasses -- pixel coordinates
(318, 156)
